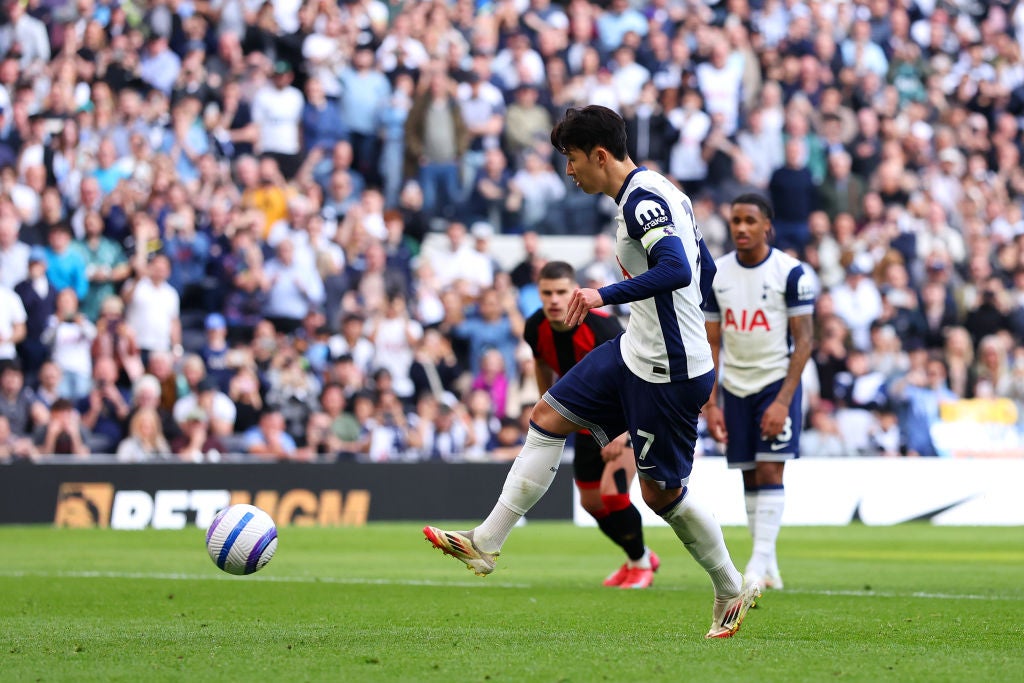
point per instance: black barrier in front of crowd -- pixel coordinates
(173, 496)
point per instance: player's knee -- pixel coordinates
(550, 420)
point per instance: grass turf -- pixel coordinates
(905, 603)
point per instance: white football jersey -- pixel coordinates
(754, 305)
(665, 339)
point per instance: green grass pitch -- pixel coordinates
(905, 603)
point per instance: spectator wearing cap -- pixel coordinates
(215, 349)
(277, 111)
(13, 252)
(38, 301)
(365, 93)
(64, 265)
(857, 300)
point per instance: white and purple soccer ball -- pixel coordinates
(241, 539)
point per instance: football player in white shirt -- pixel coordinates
(651, 380)
(759, 323)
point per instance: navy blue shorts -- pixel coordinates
(743, 422)
(601, 394)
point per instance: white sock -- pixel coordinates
(531, 475)
(643, 563)
(770, 503)
(750, 500)
(701, 534)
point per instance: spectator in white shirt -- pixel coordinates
(277, 111)
(154, 309)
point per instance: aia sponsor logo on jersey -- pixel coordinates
(745, 321)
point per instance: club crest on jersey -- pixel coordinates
(745, 321)
(650, 214)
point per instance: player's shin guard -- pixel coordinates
(622, 524)
(702, 536)
(531, 475)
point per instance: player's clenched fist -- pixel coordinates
(582, 301)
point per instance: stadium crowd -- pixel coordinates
(213, 213)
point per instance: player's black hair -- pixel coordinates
(757, 200)
(589, 127)
(555, 270)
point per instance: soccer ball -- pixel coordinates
(241, 539)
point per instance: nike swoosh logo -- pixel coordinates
(777, 446)
(645, 467)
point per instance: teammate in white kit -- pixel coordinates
(759, 323)
(651, 380)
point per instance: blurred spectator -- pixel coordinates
(14, 254)
(145, 440)
(435, 139)
(14, 448)
(919, 395)
(365, 93)
(857, 300)
(443, 428)
(196, 443)
(116, 340)
(496, 323)
(220, 409)
(244, 392)
(106, 408)
(16, 399)
(333, 430)
(293, 391)
(65, 266)
(268, 440)
(493, 377)
(105, 265)
(395, 335)
(13, 322)
(153, 308)
(435, 368)
(527, 123)
(70, 335)
(822, 437)
(294, 288)
(793, 196)
(63, 433)
(536, 192)
(277, 110)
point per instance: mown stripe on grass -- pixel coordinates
(164, 576)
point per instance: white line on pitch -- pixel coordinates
(265, 578)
